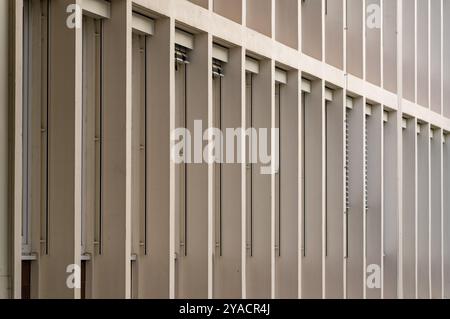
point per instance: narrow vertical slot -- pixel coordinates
(217, 74)
(143, 145)
(84, 143)
(83, 279)
(278, 172)
(139, 144)
(92, 134)
(366, 175)
(185, 210)
(26, 280)
(99, 133)
(181, 60)
(27, 127)
(347, 180)
(326, 178)
(304, 169)
(253, 161)
(45, 45)
(250, 161)
(146, 148)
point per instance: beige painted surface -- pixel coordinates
(311, 28)
(115, 281)
(160, 76)
(410, 208)
(193, 257)
(423, 212)
(390, 209)
(287, 208)
(4, 219)
(228, 240)
(446, 218)
(356, 214)
(334, 34)
(259, 260)
(64, 142)
(436, 215)
(374, 191)
(335, 199)
(314, 193)
(201, 273)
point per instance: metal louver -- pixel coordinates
(347, 177)
(181, 55)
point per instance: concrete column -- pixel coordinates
(409, 207)
(436, 214)
(160, 92)
(287, 255)
(314, 192)
(228, 253)
(335, 198)
(193, 263)
(63, 235)
(374, 193)
(356, 212)
(112, 270)
(423, 211)
(259, 263)
(391, 199)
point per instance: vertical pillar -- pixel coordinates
(391, 200)
(409, 208)
(374, 196)
(259, 264)
(155, 267)
(195, 264)
(335, 198)
(423, 211)
(115, 242)
(63, 219)
(436, 214)
(446, 212)
(288, 244)
(228, 253)
(314, 192)
(5, 273)
(356, 212)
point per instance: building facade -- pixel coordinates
(348, 195)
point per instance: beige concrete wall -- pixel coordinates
(322, 271)
(5, 274)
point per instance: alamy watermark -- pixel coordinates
(235, 145)
(373, 280)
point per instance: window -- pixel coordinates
(249, 160)
(139, 142)
(303, 158)
(181, 69)
(35, 137)
(218, 74)
(278, 204)
(27, 158)
(91, 213)
(35, 119)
